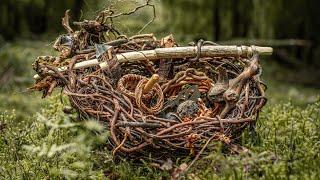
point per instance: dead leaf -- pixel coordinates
(168, 165)
(177, 172)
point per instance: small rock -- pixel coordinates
(67, 110)
(187, 109)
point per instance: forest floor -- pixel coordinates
(39, 141)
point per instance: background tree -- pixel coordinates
(189, 20)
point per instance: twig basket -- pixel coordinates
(153, 95)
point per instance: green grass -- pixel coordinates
(41, 142)
(16, 76)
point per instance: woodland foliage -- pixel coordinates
(52, 145)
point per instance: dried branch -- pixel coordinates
(65, 22)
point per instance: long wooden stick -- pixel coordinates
(175, 53)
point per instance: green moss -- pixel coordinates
(52, 145)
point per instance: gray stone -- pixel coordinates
(188, 108)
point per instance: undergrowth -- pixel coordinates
(53, 145)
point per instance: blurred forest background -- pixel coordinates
(290, 26)
(28, 29)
